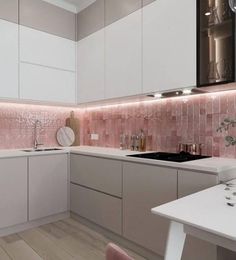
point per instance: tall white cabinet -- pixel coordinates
(8, 59)
(123, 56)
(91, 67)
(169, 45)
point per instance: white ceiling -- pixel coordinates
(71, 5)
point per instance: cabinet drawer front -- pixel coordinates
(97, 173)
(97, 207)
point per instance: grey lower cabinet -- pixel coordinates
(145, 187)
(48, 185)
(96, 190)
(13, 191)
(100, 208)
(190, 182)
(100, 174)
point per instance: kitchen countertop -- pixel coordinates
(212, 165)
(206, 210)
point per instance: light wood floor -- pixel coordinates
(62, 240)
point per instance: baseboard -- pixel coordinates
(33, 224)
(118, 239)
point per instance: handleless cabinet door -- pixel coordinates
(169, 45)
(46, 84)
(91, 67)
(45, 49)
(48, 185)
(13, 191)
(123, 59)
(8, 59)
(188, 183)
(146, 187)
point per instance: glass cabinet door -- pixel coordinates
(216, 43)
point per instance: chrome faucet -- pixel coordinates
(37, 125)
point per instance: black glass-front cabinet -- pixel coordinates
(216, 42)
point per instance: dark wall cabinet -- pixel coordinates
(216, 42)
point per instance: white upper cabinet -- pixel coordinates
(46, 84)
(123, 56)
(42, 48)
(8, 59)
(169, 45)
(47, 67)
(90, 56)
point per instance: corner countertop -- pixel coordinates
(205, 210)
(212, 165)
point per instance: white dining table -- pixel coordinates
(205, 215)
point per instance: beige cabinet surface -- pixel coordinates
(103, 175)
(13, 191)
(188, 183)
(48, 185)
(146, 187)
(97, 207)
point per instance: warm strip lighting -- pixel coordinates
(158, 95)
(187, 91)
(136, 103)
(207, 13)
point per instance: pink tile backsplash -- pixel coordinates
(17, 124)
(166, 123)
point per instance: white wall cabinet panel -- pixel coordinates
(46, 84)
(48, 185)
(46, 49)
(123, 59)
(169, 45)
(8, 60)
(90, 56)
(13, 191)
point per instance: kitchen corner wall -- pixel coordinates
(166, 123)
(17, 124)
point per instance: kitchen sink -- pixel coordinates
(42, 150)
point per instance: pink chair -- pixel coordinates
(113, 252)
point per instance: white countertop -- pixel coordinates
(209, 165)
(206, 210)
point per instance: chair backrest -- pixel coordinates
(113, 252)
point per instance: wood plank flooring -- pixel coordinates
(63, 240)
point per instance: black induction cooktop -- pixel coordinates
(171, 157)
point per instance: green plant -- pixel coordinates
(224, 126)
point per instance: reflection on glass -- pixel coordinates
(216, 42)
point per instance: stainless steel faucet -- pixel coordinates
(37, 125)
